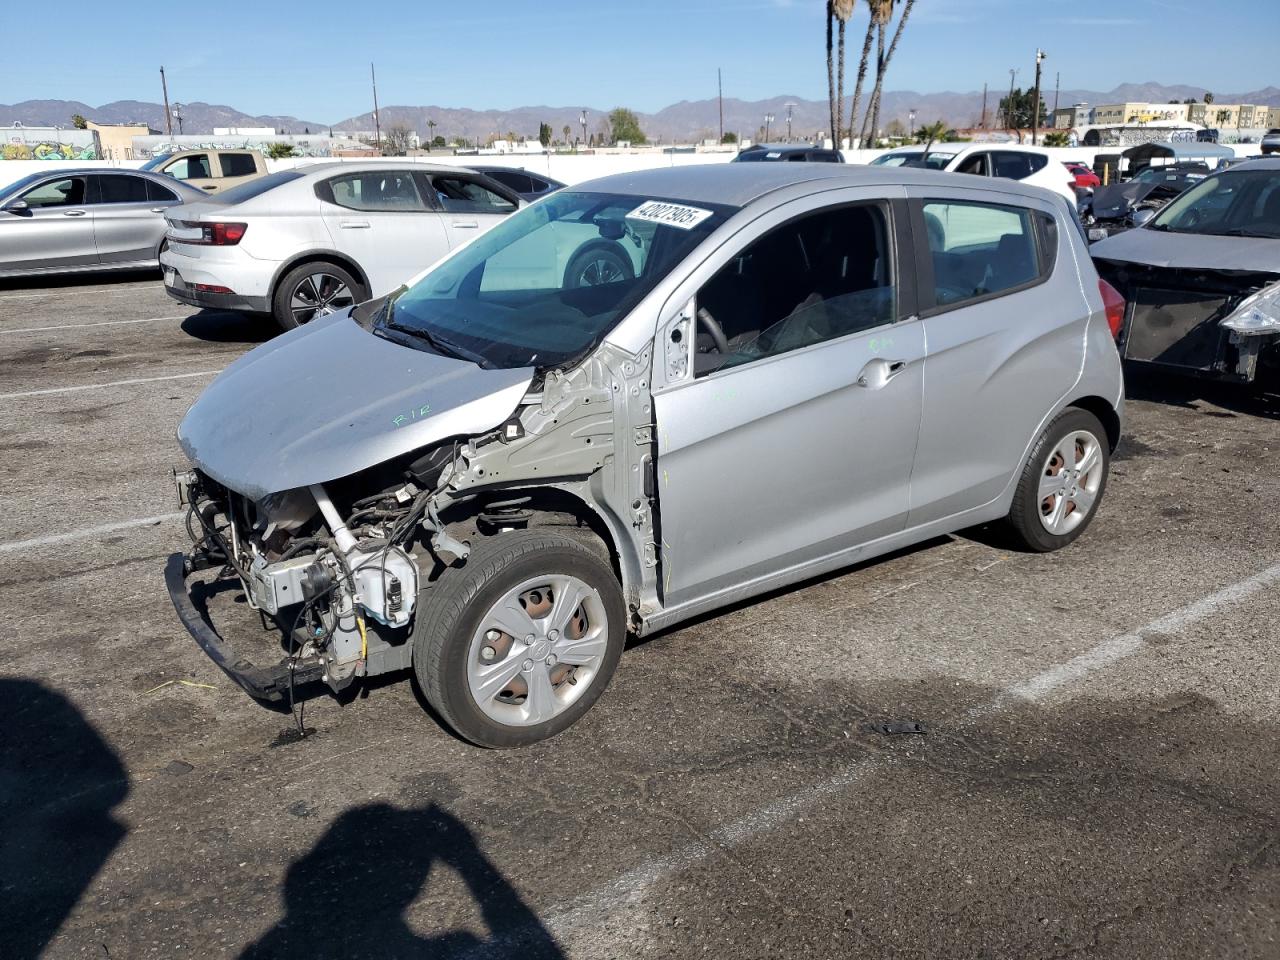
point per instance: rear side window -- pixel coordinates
(457, 195)
(980, 250)
(194, 167)
(1009, 165)
(379, 190)
(519, 182)
(158, 193)
(238, 165)
(120, 188)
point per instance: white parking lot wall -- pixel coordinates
(568, 168)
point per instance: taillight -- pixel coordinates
(211, 234)
(1113, 304)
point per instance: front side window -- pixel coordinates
(389, 190)
(1235, 203)
(67, 192)
(546, 284)
(820, 277)
(979, 249)
(238, 165)
(193, 167)
(459, 195)
(120, 188)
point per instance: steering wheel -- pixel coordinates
(713, 329)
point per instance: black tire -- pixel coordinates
(1024, 519)
(596, 263)
(449, 612)
(282, 301)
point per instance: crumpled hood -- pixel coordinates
(1190, 251)
(330, 399)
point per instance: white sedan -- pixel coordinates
(303, 243)
(1009, 161)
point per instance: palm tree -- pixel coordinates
(843, 10)
(862, 69)
(882, 14)
(832, 104)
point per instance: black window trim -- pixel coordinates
(926, 291)
(897, 235)
(323, 190)
(93, 189)
(480, 179)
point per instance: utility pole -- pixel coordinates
(1057, 83)
(168, 120)
(983, 124)
(768, 119)
(789, 106)
(177, 112)
(583, 120)
(377, 129)
(720, 95)
(1035, 101)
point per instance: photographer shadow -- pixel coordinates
(349, 895)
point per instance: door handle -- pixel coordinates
(73, 213)
(466, 224)
(157, 209)
(879, 371)
(353, 224)
(209, 187)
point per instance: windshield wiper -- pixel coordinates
(441, 346)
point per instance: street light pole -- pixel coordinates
(168, 120)
(1008, 104)
(177, 115)
(768, 119)
(789, 106)
(377, 129)
(911, 120)
(583, 120)
(1035, 100)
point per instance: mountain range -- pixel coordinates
(683, 121)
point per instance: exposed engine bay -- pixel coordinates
(336, 568)
(1223, 324)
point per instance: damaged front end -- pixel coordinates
(333, 596)
(1217, 323)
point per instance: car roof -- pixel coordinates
(323, 168)
(738, 184)
(784, 147)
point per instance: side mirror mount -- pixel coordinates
(17, 206)
(1140, 217)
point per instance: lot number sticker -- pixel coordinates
(671, 214)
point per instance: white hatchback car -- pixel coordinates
(1010, 161)
(303, 243)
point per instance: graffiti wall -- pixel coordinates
(48, 143)
(306, 145)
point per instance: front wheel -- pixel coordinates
(597, 264)
(1062, 482)
(517, 644)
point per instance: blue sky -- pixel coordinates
(311, 59)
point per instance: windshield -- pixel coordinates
(155, 161)
(1239, 203)
(545, 285)
(18, 185)
(934, 161)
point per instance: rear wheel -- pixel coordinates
(521, 641)
(1062, 482)
(315, 290)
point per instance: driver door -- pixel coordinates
(796, 445)
(55, 229)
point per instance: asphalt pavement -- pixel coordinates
(1097, 776)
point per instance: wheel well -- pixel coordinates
(549, 507)
(1105, 412)
(327, 256)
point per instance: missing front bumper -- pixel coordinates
(267, 683)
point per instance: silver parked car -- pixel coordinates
(319, 238)
(68, 221)
(494, 475)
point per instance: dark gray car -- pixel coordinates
(68, 221)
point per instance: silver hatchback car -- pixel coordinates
(493, 475)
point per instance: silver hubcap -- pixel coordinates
(599, 271)
(317, 295)
(1070, 481)
(537, 650)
